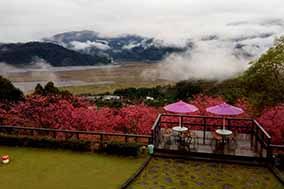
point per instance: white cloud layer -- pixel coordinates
(171, 20)
(33, 19)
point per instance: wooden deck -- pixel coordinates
(242, 146)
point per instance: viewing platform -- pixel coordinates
(246, 139)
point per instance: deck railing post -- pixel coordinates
(54, 134)
(155, 130)
(261, 148)
(268, 150)
(252, 132)
(101, 140)
(204, 129)
(256, 139)
(151, 141)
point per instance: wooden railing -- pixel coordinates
(156, 130)
(204, 120)
(100, 137)
(203, 123)
(262, 139)
(277, 149)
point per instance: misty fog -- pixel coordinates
(215, 27)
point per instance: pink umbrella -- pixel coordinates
(180, 107)
(224, 110)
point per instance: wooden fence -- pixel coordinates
(100, 137)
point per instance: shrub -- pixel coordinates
(155, 103)
(128, 149)
(108, 103)
(44, 142)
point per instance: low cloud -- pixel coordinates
(39, 68)
(205, 61)
(223, 54)
(77, 45)
(40, 71)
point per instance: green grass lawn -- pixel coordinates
(32, 168)
(182, 174)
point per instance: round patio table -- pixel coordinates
(224, 133)
(180, 129)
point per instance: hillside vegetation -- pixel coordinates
(263, 82)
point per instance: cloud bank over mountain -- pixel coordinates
(226, 34)
(166, 19)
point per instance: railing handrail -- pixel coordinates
(209, 117)
(156, 121)
(262, 129)
(74, 132)
(277, 146)
(199, 124)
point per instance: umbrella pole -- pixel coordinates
(224, 122)
(180, 121)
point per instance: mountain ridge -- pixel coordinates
(126, 47)
(21, 54)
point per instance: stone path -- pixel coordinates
(182, 174)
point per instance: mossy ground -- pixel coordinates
(179, 174)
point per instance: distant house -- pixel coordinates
(111, 97)
(104, 97)
(149, 98)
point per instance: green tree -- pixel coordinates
(264, 80)
(39, 90)
(231, 90)
(8, 92)
(49, 88)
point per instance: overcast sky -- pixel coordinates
(23, 20)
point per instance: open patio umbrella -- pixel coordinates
(180, 107)
(224, 109)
